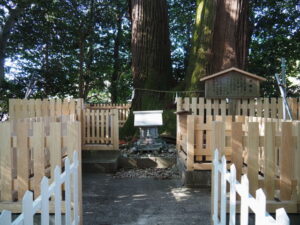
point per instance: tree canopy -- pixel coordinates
(83, 48)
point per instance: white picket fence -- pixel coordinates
(41, 204)
(257, 205)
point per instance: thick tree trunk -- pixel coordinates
(151, 60)
(151, 57)
(220, 39)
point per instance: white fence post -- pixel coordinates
(223, 191)
(68, 191)
(27, 208)
(5, 217)
(75, 184)
(57, 196)
(232, 195)
(45, 201)
(281, 217)
(260, 214)
(215, 187)
(244, 200)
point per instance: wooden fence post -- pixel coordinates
(190, 142)
(297, 162)
(6, 180)
(55, 146)
(115, 134)
(218, 137)
(38, 147)
(23, 159)
(252, 148)
(237, 148)
(286, 162)
(269, 160)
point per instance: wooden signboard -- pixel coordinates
(232, 83)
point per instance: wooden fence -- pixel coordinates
(259, 107)
(69, 178)
(31, 149)
(123, 110)
(267, 150)
(257, 205)
(100, 129)
(23, 108)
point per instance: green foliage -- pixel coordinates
(276, 35)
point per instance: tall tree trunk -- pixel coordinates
(150, 43)
(151, 57)
(5, 32)
(220, 39)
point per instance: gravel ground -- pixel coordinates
(156, 173)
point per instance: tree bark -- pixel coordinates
(150, 44)
(220, 39)
(151, 57)
(5, 32)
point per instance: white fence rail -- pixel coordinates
(257, 205)
(41, 204)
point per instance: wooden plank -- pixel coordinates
(201, 107)
(179, 104)
(279, 108)
(16, 207)
(194, 106)
(208, 107)
(97, 114)
(93, 126)
(58, 107)
(107, 135)
(88, 124)
(252, 147)
(38, 108)
(52, 107)
(55, 146)
(23, 159)
(266, 108)
(6, 165)
(11, 108)
(286, 161)
(259, 107)
(269, 160)
(31, 108)
(190, 142)
(45, 108)
(186, 104)
(38, 145)
(237, 148)
(115, 127)
(218, 137)
(102, 127)
(273, 108)
(297, 159)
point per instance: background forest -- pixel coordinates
(90, 48)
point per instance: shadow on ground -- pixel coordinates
(138, 201)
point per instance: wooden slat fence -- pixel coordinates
(101, 129)
(267, 150)
(123, 110)
(259, 107)
(31, 149)
(23, 108)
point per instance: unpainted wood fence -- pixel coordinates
(31, 108)
(69, 178)
(267, 150)
(30, 149)
(258, 107)
(123, 110)
(223, 181)
(100, 129)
